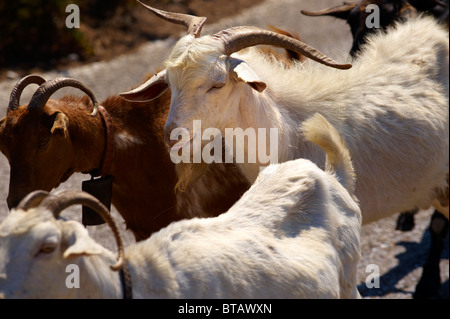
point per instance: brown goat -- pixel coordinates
(47, 144)
(65, 139)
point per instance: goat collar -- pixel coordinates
(125, 279)
(109, 149)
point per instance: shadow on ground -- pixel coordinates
(412, 258)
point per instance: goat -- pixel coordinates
(437, 8)
(356, 15)
(48, 140)
(293, 234)
(202, 75)
(390, 12)
(67, 140)
(391, 106)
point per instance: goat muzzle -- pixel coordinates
(61, 200)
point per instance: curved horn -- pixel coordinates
(238, 38)
(33, 199)
(43, 93)
(440, 3)
(60, 200)
(14, 98)
(341, 11)
(192, 23)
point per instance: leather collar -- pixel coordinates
(108, 157)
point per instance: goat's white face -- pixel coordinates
(35, 249)
(195, 96)
(206, 85)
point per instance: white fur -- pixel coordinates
(391, 107)
(293, 234)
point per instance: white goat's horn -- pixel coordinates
(194, 24)
(237, 38)
(43, 93)
(60, 200)
(33, 199)
(17, 90)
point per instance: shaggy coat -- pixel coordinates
(391, 107)
(294, 234)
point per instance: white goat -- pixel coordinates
(293, 234)
(391, 106)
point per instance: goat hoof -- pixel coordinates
(428, 286)
(426, 293)
(405, 222)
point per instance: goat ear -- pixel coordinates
(60, 124)
(148, 91)
(245, 73)
(76, 237)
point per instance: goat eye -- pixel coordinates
(47, 249)
(42, 144)
(216, 86)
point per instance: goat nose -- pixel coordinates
(167, 132)
(169, 142)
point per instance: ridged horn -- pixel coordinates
(194, 24)
(237, 38)
(16, 92)
(33, 199)
(340, 11)
(43, 93)
(60, 200)
(440, 3)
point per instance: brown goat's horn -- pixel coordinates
(238, 38)
(33, 199)
(194, 24)
(60, 200)
(43, 93)
(440, 3)
(17, 90)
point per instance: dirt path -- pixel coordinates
(398, 255)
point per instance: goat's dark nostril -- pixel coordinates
(168, 141)
(170, 144)
(167, 132)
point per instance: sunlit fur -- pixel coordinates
(144, 175)
(294, 234)
(391, 107)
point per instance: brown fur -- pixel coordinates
(144, 176)
(149, 191)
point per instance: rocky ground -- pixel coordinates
(399, 256)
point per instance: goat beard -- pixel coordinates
(188, 174)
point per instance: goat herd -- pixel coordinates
(356, 142)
